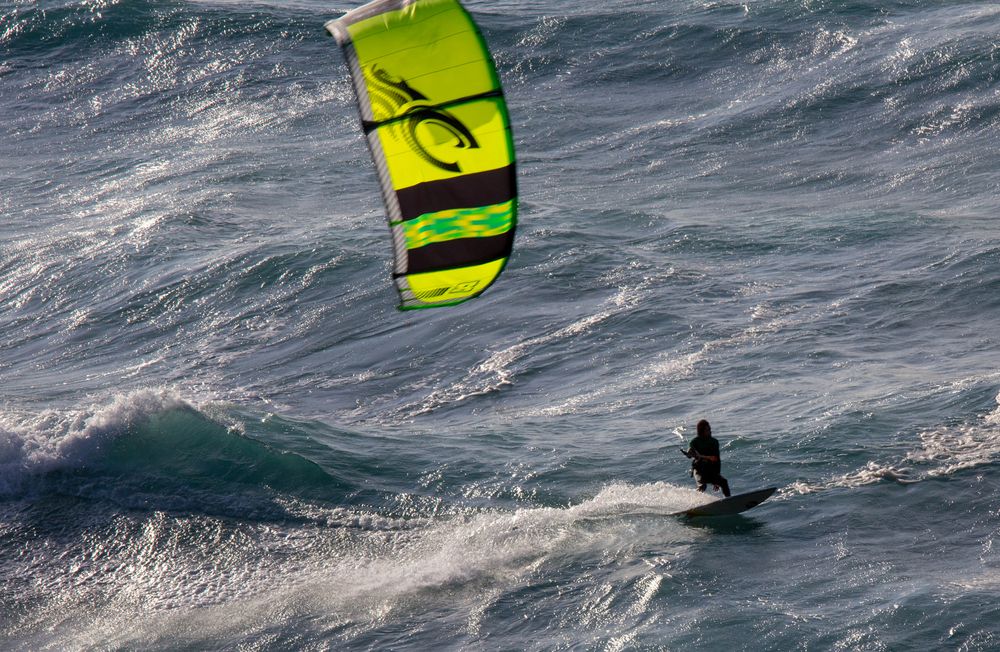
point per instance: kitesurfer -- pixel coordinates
(706, 466)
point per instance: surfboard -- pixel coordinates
(732, 505)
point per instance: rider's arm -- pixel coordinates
(691, 452)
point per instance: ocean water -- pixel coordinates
(218, 433)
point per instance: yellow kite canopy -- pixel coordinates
(437, 126)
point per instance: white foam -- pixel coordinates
(871, 473)
(36, 443)
(948, 449)
(353, 580)
(502, 546)
(943, 451)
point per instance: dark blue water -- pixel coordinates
(217, 432)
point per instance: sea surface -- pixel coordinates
(217, 432)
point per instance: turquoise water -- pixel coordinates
(217, 432)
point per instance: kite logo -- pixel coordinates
(405, 108)
(461, 288)
(464, 288)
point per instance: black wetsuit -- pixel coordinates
(708, 472)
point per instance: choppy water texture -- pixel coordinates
(216, 431)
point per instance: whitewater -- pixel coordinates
(217, 432)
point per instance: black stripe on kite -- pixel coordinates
(466, 191)
(458, 253)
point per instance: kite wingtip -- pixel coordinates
(336, 29)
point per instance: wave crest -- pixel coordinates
(150, 448)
